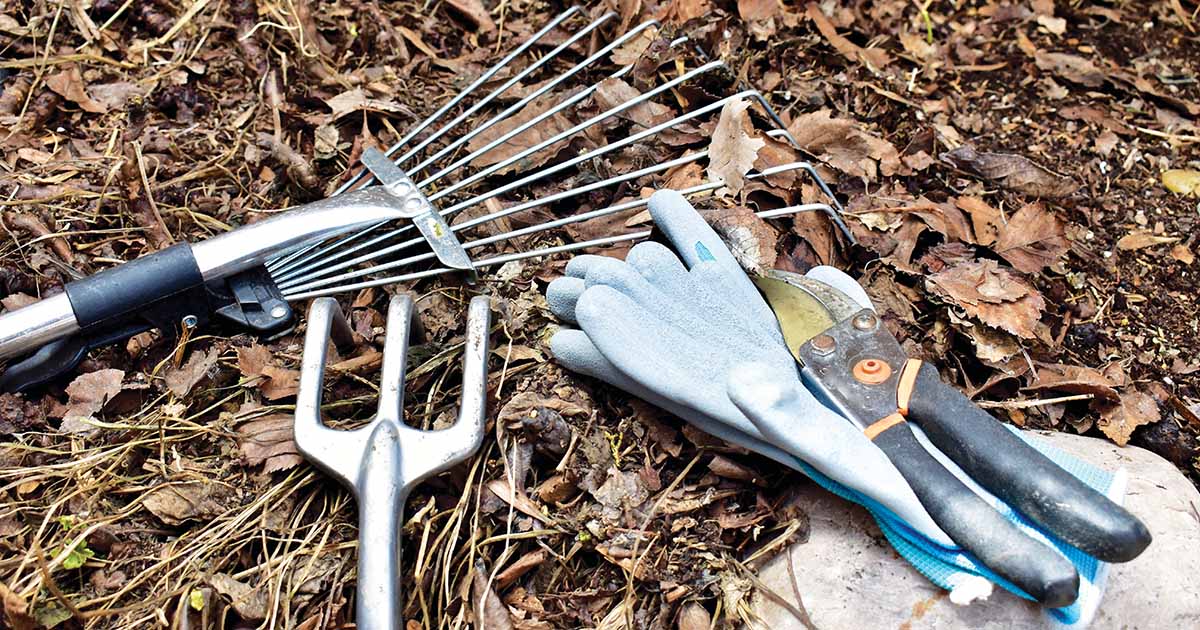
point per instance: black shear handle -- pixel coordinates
(976, 526)
(1021, 476)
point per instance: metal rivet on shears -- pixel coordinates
(823, 344)
(278, 311)
(865, 321)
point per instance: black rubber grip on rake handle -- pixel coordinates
(1021, 476)
(976, 526)
(126, 289)
(156, 291)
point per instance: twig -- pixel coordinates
(187, 16)
(34, 225)
(1028, 404)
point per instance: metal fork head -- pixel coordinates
(382, 460)
(426, 453)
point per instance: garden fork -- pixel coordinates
(382, 461)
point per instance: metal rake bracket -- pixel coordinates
(382, 461)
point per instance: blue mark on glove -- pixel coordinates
(703, 252)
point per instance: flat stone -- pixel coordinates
(849, 577)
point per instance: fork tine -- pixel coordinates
(333, 451)
(395, 358)
(431, 452)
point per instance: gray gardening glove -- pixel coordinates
(674, 337)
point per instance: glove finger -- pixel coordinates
(787, 415)
(578, 266)
(838, 279)
(705, 294)
(691, 235)
(752, 314)
(664, 359)
(655, 261)
(575, 351)
(562, 294)
(662, 310)
(696, 241)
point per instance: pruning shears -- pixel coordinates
(850, 360)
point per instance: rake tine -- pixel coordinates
(537, 253)
(483, 78)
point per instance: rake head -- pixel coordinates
(566, 129)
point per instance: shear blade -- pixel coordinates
(804, 307)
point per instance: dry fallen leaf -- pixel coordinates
(178, 502)
(985, 220)
(997, 296)
(680, 11)
(16, 610)
(114, 95)
(612, 92)
(199, 365)
(632, 50)
(1074, 379)
(490, 612)
(734, 147)
(1015, 172)
(846, 147)
(1056, 26)
(1182, 181)
(270, 441)
(1070, 67)
(1142, 239)
(693, 616)
(1181, 253)
(14, 301)
(620, 493)
(249, 602)
(255, 362)
(992, 346)
(873, 58)
(1134, 410)
(533, 136)
(474, 11)
(69, 85)
(88, 392)
(1032, 239)
(356, 99)
(751, 240)
(760, 16)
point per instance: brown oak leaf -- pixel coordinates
(985, 220)
(846, 147)
(278, 382)
(175, 503)
(270, 441)
(69, 85)
(1015, 172)
(734, 146)
(88, 392)
(1135, 409)
(997, 296)
(1032, 239)
(1073, 68)
(1074, 379)
(199, 365)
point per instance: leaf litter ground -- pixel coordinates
(1019, 176)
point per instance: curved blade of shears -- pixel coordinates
(804, 307)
